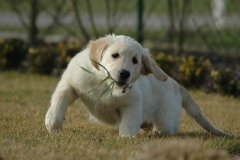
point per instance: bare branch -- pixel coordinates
(13, 4)
(184, 11)
(108, 15)
(150, 10)
(171, 30)
(56, 14)
(79, 20)
(91, 19)
(114, 14)
(204, 38)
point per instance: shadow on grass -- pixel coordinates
(155, 135)
(185, 135)
(110, 137)
(203, 135)
(231, 144)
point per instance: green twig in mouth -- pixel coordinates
(86, 70)
(113, 80)
(110, 86)
(109, 75)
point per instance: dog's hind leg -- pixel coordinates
(166, 128)
(168, 119)
(63, 96)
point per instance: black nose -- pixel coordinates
(124, 74)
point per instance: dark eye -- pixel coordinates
(134, 60)
(115, 55)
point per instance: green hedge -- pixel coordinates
(53, 58)
(226, 81)
(12, 53)
(189, 70)
(200, 72)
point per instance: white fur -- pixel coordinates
(149, 99)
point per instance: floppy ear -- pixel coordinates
(150, 66)
(96, 49)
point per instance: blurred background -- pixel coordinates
(196, 42)
(208, 25)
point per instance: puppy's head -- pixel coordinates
(125, 60)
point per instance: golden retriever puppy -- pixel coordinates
(122, 86)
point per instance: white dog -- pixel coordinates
(136, 90)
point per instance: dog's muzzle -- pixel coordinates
(123, 77)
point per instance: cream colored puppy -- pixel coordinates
(138, 90)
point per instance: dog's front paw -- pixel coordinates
(53, 121)
(128, 133)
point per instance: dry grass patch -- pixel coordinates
(178, 151)
(24, 100)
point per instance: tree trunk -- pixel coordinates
(140, 10)
(79, 20)
(185, 10)
(33, 30)
(171, 29)
(91, 18)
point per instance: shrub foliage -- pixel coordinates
(189, 71)
(12, 53)
(200, 72)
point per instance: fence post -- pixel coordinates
(140, 10)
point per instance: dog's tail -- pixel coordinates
(194, 111)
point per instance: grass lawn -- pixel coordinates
(24, 100)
